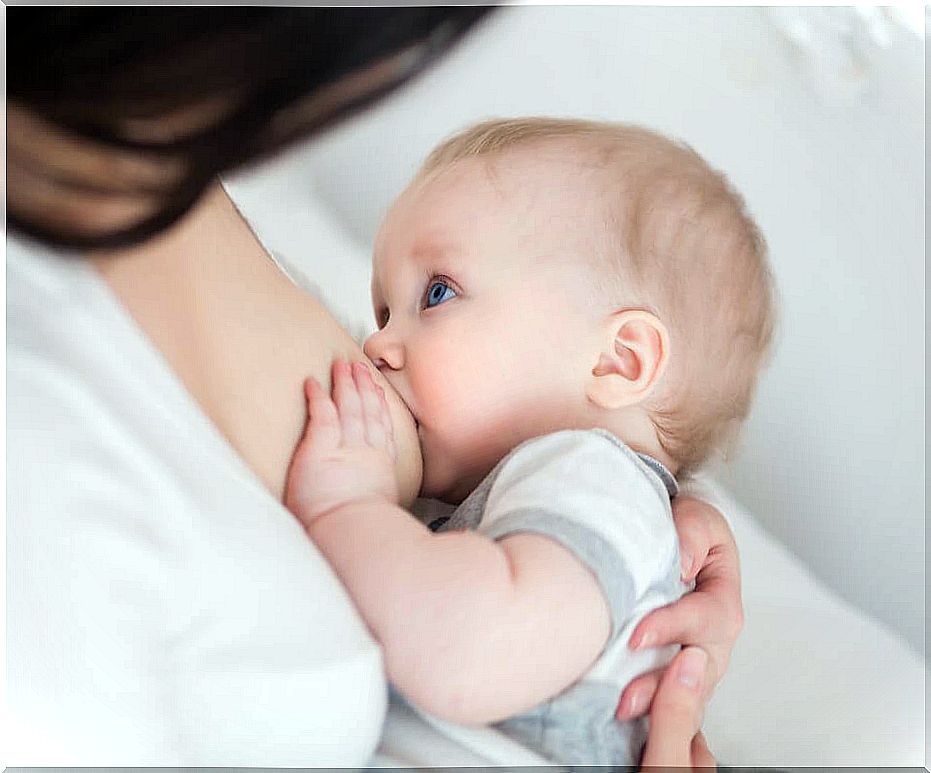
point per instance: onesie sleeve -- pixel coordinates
(592, 494)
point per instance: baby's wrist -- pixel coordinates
(367, 501)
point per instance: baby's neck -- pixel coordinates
(640, 434)
(633, 427)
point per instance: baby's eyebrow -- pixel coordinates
(424, 253)
(431, 250)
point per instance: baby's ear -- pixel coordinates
(634, 356)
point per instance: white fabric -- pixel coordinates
(599, 484)
(591, 493)
(413, 738)
(164, 608)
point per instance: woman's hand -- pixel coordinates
(347, 452)
(675, 741)
(710, 617)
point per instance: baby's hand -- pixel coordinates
(347, 452)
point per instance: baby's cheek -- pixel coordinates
(449, 397)
(447, 423)
(460, 445)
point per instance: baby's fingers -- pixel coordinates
(387, 426)
(371, 407)
(348, 404)
(322, 432)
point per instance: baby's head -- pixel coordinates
(545, 274)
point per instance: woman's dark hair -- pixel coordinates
(96, 72)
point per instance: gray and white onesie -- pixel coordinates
(610, 506)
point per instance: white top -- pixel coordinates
(591, 493)
(610, 507)
(163, 607)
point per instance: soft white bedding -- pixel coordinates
(813, 680)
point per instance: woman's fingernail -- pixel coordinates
(632, 704)
(691, 666)
(645, 640)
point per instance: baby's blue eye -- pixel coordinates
(438, 292)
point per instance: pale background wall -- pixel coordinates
(830, 156)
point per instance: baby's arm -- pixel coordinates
(473, 630)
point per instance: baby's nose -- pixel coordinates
(384, 352)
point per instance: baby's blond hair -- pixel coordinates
(677, 241)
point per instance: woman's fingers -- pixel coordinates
(637, 696)
(348, 404)
(700, 528)
(696, 619)
(701, 754)
(693, 619)
(677, 713)
(710, 617)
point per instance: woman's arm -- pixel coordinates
(466, 622)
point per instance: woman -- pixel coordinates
(165, 607)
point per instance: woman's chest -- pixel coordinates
(241, 339)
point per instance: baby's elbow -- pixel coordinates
(448, 693)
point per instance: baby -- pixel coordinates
(575, 313)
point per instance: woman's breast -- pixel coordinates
(249, 375)
(242, 338)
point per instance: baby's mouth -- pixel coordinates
(413, 418)
(413, 415)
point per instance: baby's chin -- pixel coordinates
(443, 482)
(451, 496)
